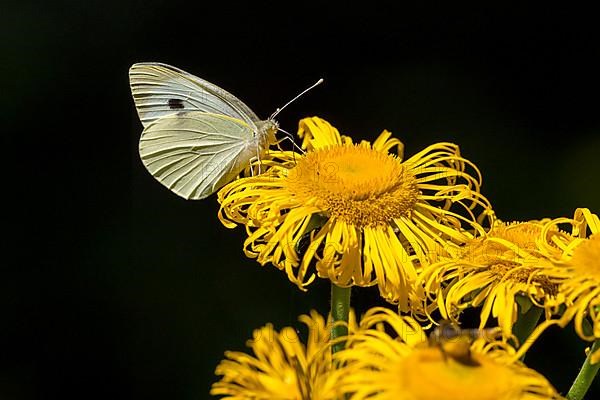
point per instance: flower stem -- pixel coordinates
(526, 323)
(340, 309)
(585, 377)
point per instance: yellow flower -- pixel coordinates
(578, 264)
(405, 365)
(282, 367)
(367, 216)
(493, 270)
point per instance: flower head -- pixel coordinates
(368, 217)
(578, 264)
(492, 271)
(282, 367)
(403, 364)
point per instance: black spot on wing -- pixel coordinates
(175, 104)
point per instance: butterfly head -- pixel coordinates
(265, 134)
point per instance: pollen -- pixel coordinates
(355, 184)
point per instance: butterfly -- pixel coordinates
(197, 137)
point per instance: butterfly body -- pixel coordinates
(197, 137)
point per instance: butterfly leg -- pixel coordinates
(290, 137)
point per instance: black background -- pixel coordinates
(116, 288)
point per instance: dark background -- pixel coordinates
(116, 288)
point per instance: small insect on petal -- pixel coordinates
(455, 342)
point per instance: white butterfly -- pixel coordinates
(197, 137)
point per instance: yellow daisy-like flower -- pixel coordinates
(283, 367)
(493, 270)
(368, 217)
(405, 365)
(578, 266)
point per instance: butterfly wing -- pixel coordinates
(194, 153)
(160, 89)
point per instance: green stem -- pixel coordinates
(526, 323)
(585, 377)
(340, 309)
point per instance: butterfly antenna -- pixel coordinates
(296, 98)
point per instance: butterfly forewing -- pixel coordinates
(160, 90)
(194, 153)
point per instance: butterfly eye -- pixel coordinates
(175, 104)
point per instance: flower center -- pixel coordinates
(495, 254)
(523, 275)
(520, 275)
(356, 184)
(586, 257)
(523, 234)
(453, 379)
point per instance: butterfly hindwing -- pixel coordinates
(194, 153)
